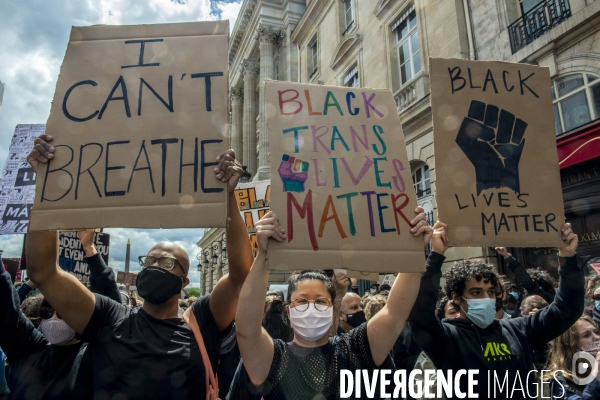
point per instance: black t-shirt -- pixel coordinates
(37, 369)
(137, 356)
(314, 373)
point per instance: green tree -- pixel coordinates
(194, 292)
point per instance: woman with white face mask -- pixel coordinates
(309, 366)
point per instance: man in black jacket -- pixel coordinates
(500, 350)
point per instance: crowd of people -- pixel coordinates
(529, 337)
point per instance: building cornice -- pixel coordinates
(343, 48)
(312, 15)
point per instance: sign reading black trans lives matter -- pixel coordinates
(497, 174)
(17, 183)
(138, 118)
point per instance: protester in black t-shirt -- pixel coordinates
(49, 362)
(309, 367)
(148, 352)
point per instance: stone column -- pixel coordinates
(250, 71)
(268, 38)
(237, 123)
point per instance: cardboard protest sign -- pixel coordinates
(253, 201)
(138, 118)
(71, 256)
(340, 180)
(17, 183)
(127, 278)
(497, 174)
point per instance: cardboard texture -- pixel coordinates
(340, 180)
(138, 118)
(17, 182)
(497, 174)
(71, 256)
(253, 202)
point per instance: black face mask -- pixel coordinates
(356, 319)
(498, 304)
(156, 285)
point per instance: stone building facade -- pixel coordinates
(387, 44)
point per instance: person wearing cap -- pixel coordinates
(153, 337)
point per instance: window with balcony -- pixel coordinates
(351, 78)
(407, 45)
(314, 57)
(537, 18)
(576, 101)
(348, 15)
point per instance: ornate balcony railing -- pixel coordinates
(537, 21)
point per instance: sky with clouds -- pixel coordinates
(34, 37)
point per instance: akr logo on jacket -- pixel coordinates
(495, 351)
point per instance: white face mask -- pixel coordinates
(311, 324)
(373, 291)
(57, 331)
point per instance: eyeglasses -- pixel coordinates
(321, 304)
(164, 262)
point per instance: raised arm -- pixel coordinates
(256, 346)
(71, 300)
(224, 298)
(426, 329)
(385, 327)
(567, 306)
(102, 278)
(523, 276)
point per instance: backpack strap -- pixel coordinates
(212, 385)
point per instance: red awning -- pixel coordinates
(580, 145)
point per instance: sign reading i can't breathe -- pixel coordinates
(340, 180)
(497, 173)
(138, 118)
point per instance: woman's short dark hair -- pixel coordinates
(464, 270)
(310, 275)
(31, 308)
(440, 311)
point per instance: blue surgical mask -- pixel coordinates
(510, 312)
(481, 311)
(514, 294)
(598, 305)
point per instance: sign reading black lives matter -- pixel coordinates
(17, 183)
(71, 256)
(139, 117)
(497, 174)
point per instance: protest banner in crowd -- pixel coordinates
(127, 278)
(340, 180)
(497, 176)
(253, 201)
(71, 256)
(17, 183)
(138, 118)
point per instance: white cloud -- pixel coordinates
(229, 11)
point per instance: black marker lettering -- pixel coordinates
(142, 47)
(170, 94)
(193, 164)
(64, 105)
(460, 207)
(164, 143)
(107, 168)
(80, 172)
(455, 78)
(149, 167)
(206, 76)
(503, 201)
(120, 82)
(489, 78)
(204, 164)
(471, 80)
(522, 83)
(49, 171)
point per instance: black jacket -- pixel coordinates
(525, 279)
(505, 347)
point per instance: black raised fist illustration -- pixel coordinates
(493, 141)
